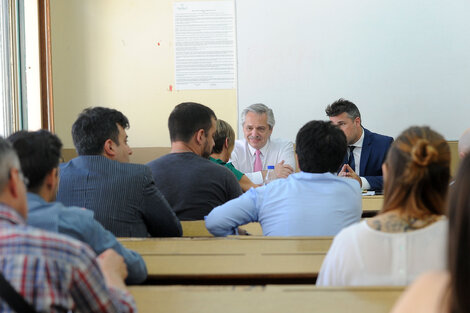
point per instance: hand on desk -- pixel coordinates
(113, 267)
(347, 171)
(283, 170)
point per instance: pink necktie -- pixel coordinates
(258, 166)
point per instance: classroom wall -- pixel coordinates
(120, 54)
(106, 53)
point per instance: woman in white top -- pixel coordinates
(447, 291)
(408, 237)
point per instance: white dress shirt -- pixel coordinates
(275, 150)
(362, 256)
(357, 159)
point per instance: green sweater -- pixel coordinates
(230, 166)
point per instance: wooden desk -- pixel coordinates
(258, 299)
(371, 205)
(231, 244)
(232, 260)
(198, 229)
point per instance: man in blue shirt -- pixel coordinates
(39, 154)
(314, 202)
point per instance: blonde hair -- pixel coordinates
(223, 131)
(418, 173)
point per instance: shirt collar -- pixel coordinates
(263, 150)
(32, 197)
(10, 215)
(360, 141)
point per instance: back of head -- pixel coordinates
(340, 106)
(418, 173)
(459, 238)
(8, 160)
(187, 118)
(224, 131)
(39, 153)
(94, 126)
(260, 108)
(320, 147)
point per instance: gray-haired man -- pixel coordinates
(253, 154)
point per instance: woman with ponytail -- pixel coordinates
(447, 291)
(408, 237)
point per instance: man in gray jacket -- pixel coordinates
(122, 195)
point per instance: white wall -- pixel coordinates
(401, 62)
(106, 53)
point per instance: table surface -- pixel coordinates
(261, 299)
(251, 259)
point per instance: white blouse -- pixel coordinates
(362, 256)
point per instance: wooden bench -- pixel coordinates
(264, 299)
(232, 260)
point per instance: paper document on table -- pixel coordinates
(368, 192)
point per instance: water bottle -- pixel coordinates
(270, 175)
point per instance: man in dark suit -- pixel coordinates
(367, 150)
(123, 196)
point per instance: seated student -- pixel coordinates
(314, 202)
(52, 272)
(447, 291)
(224, 141)
(122, 195)
(367, 150)
(408, 236)
(39, 154)
(191, 183)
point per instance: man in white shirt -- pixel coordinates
(367, 150)
(253, 154)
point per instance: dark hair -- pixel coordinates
(418, 173)
(94, 126)
(340, 106)
(222, 132)
(459, 239)
(320, 147)
(39, 153)
(187, 118)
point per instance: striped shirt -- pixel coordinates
(53, 272)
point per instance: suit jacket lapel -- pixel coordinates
(366, 147)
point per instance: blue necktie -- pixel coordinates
(351, 161)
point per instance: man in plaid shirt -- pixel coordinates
(52, 272)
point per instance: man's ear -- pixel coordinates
(199, 135)
(51, 179)
(13, 183)
(108, 148)
(226, 143)
(357, 120)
